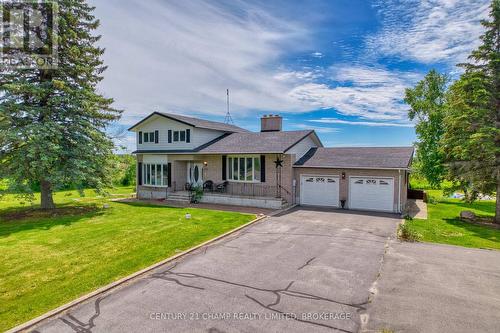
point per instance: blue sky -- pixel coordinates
(337, 66)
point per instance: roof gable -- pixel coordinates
(195, 122)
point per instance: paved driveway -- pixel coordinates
(437, 288)
(306, 271)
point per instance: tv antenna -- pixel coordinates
(228, 119)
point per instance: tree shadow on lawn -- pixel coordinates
(17, 220)
(162, 205)
(484, 232)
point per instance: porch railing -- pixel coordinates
(246, 189)
(251, 190)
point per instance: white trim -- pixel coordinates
(301, 195)
(375, 177)
(399, 193)
(230, 169)
(164, 165)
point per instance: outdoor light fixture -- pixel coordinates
(205, 163)
(343, 175)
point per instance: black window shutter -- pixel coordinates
(262, 168)
(224, 167)
(169, 136)
(139, 173)
(157, 134)
(169, 174)
(188, 135)
(140, 137)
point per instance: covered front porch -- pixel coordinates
(215, 175)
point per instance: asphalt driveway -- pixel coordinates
(436, 288)
(305, 271)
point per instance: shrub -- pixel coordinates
(405, 233)
(197, 194)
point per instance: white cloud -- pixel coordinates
(182, 55)
(429, 31)
(367, 92)
(319, 129)
(317, 55)
(360, 123)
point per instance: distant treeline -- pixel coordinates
(123, 174)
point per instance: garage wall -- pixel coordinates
(344, 183)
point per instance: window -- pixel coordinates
(181, 136)
(155, 174)
(383, 182)
(149, 137)
(371, 181)
(359, 181)
(243, 169)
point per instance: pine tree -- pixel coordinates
(471, 142)
(53, 121)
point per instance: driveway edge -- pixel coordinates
(29, 324)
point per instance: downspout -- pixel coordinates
(399, 193)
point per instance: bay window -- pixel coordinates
(155, 174)
(243, 168)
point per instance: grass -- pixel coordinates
(48, 260)
(444, 226)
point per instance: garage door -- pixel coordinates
(319, 190)
(371, 193)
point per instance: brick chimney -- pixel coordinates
(271, 123)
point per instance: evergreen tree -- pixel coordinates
(427, 101)
(53, 121)
(471, 142)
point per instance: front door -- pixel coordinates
(195, 173)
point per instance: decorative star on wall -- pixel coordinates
(278, 162)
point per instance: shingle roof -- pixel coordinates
(196, 122)
(256, 142)
(363, 157)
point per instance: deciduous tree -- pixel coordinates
(427, 101)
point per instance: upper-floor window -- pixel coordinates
(179, 136)
(149, 137)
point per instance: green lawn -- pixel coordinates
(46, 261)
(444, 226)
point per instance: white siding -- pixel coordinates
(157, 159)
(199, 136)
(302, 147)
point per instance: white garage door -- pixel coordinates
(319, 190)
(371, 193)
